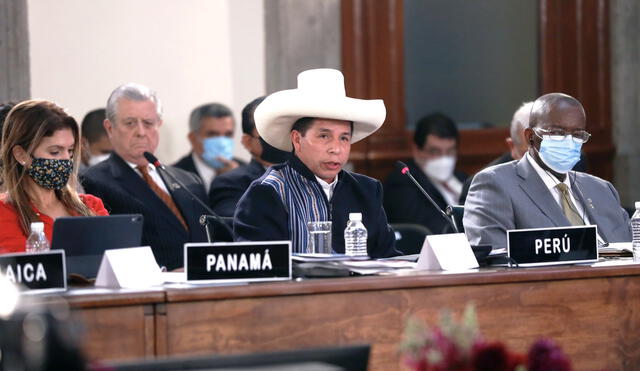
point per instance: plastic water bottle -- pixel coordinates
(635, 229)
(37, 241)
(355, 236)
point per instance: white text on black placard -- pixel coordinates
(548, 246)
(36, 271)
(238, 261)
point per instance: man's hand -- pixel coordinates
(228, 165)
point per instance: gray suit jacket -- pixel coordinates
(512, 196)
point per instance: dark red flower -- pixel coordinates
(545, 355)
(490, 357)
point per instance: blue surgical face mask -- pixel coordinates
(560, 155)
(217, 147)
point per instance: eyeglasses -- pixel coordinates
(578, 136)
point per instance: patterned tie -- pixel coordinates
(568, 207)
(454, 194)
(164, 196)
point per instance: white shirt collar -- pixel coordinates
(549, 180)
(206, 172)
(328, 187)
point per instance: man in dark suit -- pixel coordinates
(226, 189)
(128, 184)
(211, 128)
(433, 165)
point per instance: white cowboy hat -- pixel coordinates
(320, 94)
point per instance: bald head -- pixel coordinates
(552, 108)
(557, 113)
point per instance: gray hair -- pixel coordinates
(216, 110)
(131, 91)
(520, 121)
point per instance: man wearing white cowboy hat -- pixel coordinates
(318, 122)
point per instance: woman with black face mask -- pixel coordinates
(40, 155)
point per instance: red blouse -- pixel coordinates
(11, 237)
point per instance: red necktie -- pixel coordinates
(449, 189)
(164, 196)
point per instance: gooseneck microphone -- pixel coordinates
(404, 169)
(204, 219)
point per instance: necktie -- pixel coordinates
(455, 195)
(568, 207)
(164, 196)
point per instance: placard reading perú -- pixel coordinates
(42, 271)
(549, 246)
(237, 261)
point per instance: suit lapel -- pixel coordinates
(179, 195)
(136, 186)
(539, 194)
(588, 207)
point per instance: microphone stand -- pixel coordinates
(204, 219)
(448, 216)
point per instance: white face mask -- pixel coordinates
(440, 169)
(99, 158)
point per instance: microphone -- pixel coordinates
(204, 219)
(448, 216)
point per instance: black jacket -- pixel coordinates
(123, 191)
(404, 203)
(261, 215)
(186, 163)
(226, 189)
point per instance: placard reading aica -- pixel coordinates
(237, 261)
(42, 271)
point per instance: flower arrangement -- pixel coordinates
(458, 346)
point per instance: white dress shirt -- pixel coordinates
(550, 181)
(328, 187)
(451, 198)
(206, 172)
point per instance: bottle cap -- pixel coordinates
(356, 217)
(637, 205)
(37, 227)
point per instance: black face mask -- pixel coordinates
(273, 155)
(50, 173)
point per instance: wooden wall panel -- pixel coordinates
(574, 58)
(373, 65)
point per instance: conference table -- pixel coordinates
(593, 313)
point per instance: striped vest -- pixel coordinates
(304, 201)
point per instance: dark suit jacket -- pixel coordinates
(186, 163)
(404, 203)
(123, 191)
(226, 189)
(261, 214)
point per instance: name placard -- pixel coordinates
(237, 261)
(449, 252)
(549, 246)
(42, 271)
